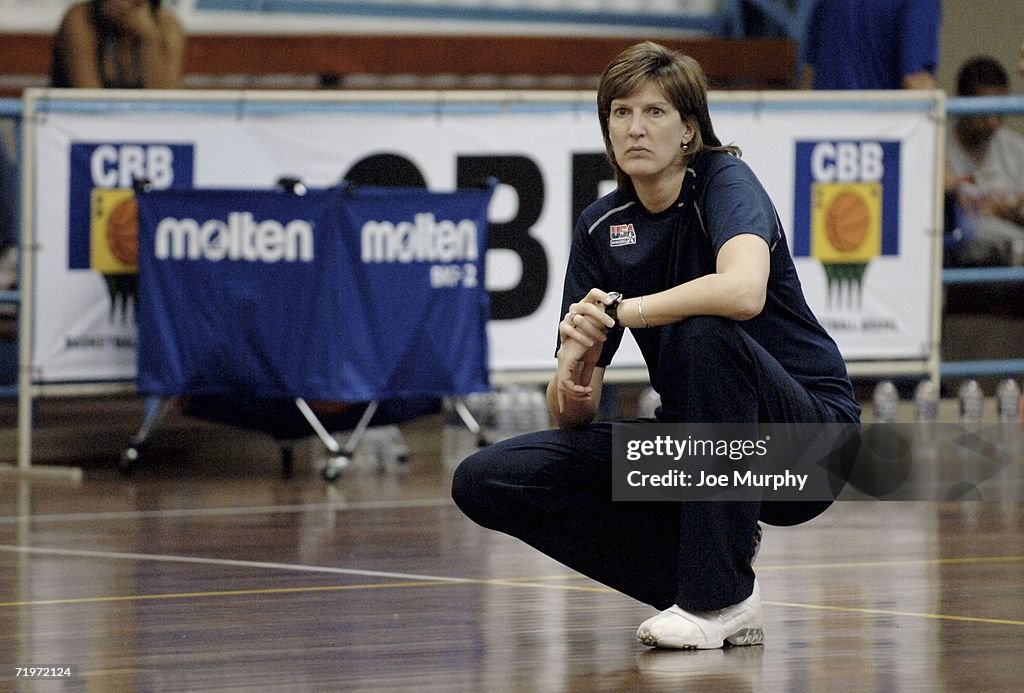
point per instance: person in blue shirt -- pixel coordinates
(688, 253)
(872, 44)
(8, 220)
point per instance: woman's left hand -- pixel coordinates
(583, 332)
(586, 322)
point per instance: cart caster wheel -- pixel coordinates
(334, 467)
(128, 459)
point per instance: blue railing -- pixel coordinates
(982, 275)
(977, 105)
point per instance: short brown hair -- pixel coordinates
(679, 76)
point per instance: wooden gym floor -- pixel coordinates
(204, 570)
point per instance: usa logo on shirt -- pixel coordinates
(622, 234)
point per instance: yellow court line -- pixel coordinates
(967, 560)
(293, 590)
(547, 586)
(223, 593)
(494, 582)
(542, 582)
(540, 578)
(537, 581)
(890, 612)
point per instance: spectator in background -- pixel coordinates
(8, 221)
(985, 173)
(118, 44)
(872, 44)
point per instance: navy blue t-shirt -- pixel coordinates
(618, 245)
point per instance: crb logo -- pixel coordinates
(239, 238)
(111, 165)
(120, 166)
(425, 239)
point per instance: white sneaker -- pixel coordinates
(739, 624)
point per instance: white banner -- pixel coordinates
(32, 15)
(854, 184)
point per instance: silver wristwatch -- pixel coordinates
(612, 308)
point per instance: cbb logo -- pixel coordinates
(846, 209)
(846, 201)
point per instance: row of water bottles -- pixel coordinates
(510, 410)
(970, 396)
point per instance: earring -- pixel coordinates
(686, 145)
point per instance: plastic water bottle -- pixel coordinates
(649, 402)
(926, 444)
(519, 410)
(504, 413)
(535, 415)
(1008, 398)
(926, 397)
(972, 400)
(887, 401)
(481, 407)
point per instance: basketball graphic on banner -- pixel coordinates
(114, 231)
(123, 231)
(847, 221)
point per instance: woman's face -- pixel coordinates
(647, 134)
